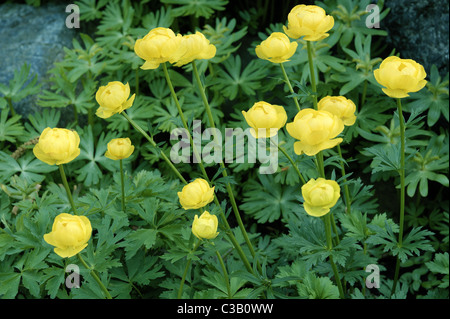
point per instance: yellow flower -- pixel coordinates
(400, 76)
(315, 130)
(193, 47)
(265, 119)
(57, 146)
(69, 235)
(119, 148)
(319, 196)
(341, 106)
(113, 98)
(157, 47)
(205, 226)
(276, 48)
(308, 21)
(196, 194)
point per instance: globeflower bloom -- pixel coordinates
(113, 98)
(276, 48)
(157, 47)
(400, 76)
(196, 194)
(193, 47)
(308, 21)
(57, 146)
(69, 235)
(319, 196)
(205, 226)
(341, 106)
(265, 119)
(315, 130)
(119, 148)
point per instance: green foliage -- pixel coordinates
(142, 251)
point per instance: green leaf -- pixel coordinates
(313, 287)
(10, 129)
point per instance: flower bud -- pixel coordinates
(119, 148)
(193, 47)
(340, 106)
(400, 76)
(196, 194)
(69, 235)
(315, 130)
(276, 48)
(265, 119)
(157, 47)
(57, 146)
(319, 196)
(308, 21)
(205, 226)
(113, 98)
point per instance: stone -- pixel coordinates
(419, 30)
(32, 35)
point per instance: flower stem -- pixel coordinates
(402, 190)
(95, 276)
(66, 186)
(290, 86)
(152, 142)
(293, 164)
(11, 108)
(346, 190)
(188, 263)
(225, 273)
(205, 174)
(311, 73)
(123, 186)
(222, 165)
(330, 248)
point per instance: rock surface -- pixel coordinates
(32, 35)
(419, 30)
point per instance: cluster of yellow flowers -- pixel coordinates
(314, 129)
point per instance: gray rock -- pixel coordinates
(419, 30)
(32, 35)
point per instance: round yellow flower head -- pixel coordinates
(315, 130)
(113, 98)
(265, 119)
(205, 226)
(319, 196)
(308, 21)
(276, 48)
(57, 146)
(196, 194)
(400, 76)
(157, 47)
(341, 106)
(119, 148)
(69, 235)
(193, 47)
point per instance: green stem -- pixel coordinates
(222, 165)
(225, 273)
(330, 248)
(11, 108)
(66, 186)
(290, 86)
(363, 96)
(346, 190)
(205, 174)
(292, 163)
(402, 190)
(136, 80)
(311, 73)
(75, 114)
(123, 185)
(188, 263)
(152, 142)
(95, 276)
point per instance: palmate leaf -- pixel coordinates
(313, 287)
(18, 87)
(10, 128)
(267, 201)
(198, 8)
